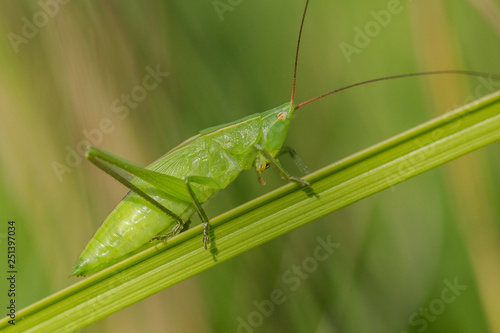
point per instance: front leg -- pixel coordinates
(272, 161)
(260, 166)
(293, 154)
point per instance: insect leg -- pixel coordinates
(178, 228)
(293, 154)
(201, 212)
(199, 209)
(259, 177)
(94, 156)
(281, 170)
(261, 164)
(170, 185)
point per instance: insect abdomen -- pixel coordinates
(128, 229)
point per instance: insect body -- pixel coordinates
(168, 192)
(206, 163)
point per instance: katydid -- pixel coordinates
(164, 195)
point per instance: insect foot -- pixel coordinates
(175, 230)
(161, 238)
(206, 237)
(300, 181)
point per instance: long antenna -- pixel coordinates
(292, 99)
(460, 72)
(297, 54)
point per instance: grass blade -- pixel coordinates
(336, 186)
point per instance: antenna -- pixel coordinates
(292, 99)
(459, 72)
(297, 53)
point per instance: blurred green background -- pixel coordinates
(400, 250)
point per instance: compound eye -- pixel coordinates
(282, 116)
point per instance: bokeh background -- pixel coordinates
(400, 250)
